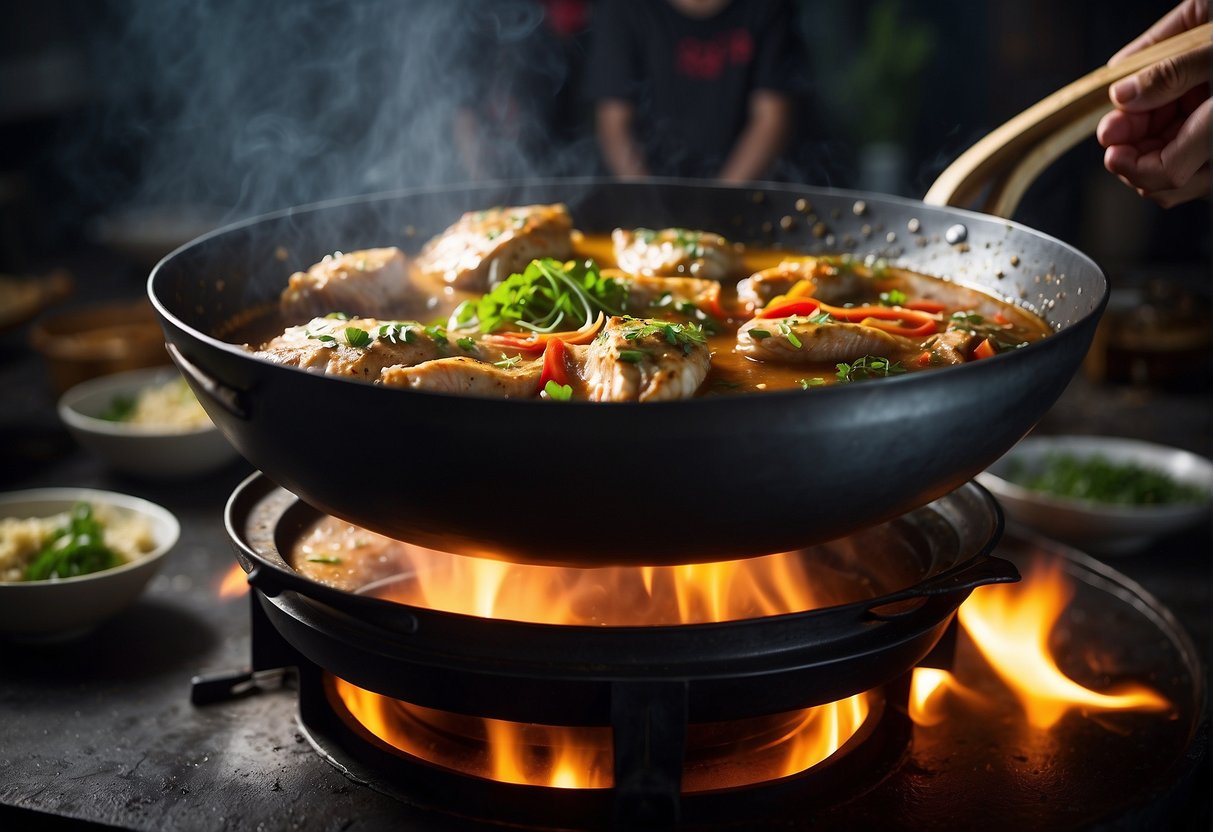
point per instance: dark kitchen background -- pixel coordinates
(128, 127)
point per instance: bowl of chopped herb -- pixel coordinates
(145, 422)
(1105, 495)
(72, 557)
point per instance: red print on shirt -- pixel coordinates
(704, 60)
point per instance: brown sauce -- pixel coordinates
(733, 372)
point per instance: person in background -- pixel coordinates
(1158, 135)
(693, 88)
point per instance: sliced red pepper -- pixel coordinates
(782, 307)
(1001, 319)
(923, 359)
(554, 368)
(895, 320)
(985, 349)
(536, 341)
(932, 306)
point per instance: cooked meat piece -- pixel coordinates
(674, 252)
(950, 347)
(485, 247)
(373, 281)
(669, 294)
(799, 341)
(468, 376)
(830, 283)
(323, 345)
(633, 359)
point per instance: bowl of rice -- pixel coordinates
(145, 422)
(71, 558)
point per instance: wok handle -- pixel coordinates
(1008, 160)
(229, 398)
(989, 570)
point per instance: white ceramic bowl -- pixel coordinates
(1099, 528)
(67, 607)
(144, 450)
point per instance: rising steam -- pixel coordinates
(250, 107)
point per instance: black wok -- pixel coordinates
(705, 479)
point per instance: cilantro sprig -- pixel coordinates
(77, 548)
(547, 296)
(685, 336)
(977, 325)
(869, 366)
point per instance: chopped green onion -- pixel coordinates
(557, 391)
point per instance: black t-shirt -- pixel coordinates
(690, 78)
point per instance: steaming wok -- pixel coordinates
(669, 482)
(666, 482)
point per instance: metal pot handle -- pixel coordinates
(230, 399)
(988, 570)
(1009, 159)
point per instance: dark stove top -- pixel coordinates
(101, 730)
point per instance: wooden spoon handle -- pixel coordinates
(1004, 163)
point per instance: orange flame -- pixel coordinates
(1010, 626)
(234, 583)
(756, 750)
(927, 702)
(348, 557)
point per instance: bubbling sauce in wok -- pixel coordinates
(513, 302)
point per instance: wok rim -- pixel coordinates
(698, 402)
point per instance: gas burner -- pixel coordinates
(722, 723)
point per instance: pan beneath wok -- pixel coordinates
(616, 483)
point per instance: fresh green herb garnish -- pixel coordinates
(330, 560)
(352, 335)
(120, 409)
(437, 334)
(356, 337)
(557, 391)
(337, 316)
(894, 297)
(689, 241)
(977, 326)
(547, 297)
(1100, 480)
(759, 334)
(820, 318)
(75, 549)
(632, 356)
(687, 336)
(785, 329)
(466, 344)
(806, 383)
(396, 332)
(870, 366)
(507, 362)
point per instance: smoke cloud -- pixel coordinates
(246, 107)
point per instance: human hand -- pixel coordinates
(1157, 137)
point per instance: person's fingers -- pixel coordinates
(1119, 127)
(1163, 82)
(1185, 16)
(1195, 188)
(1161, 164)
(1177, 161)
